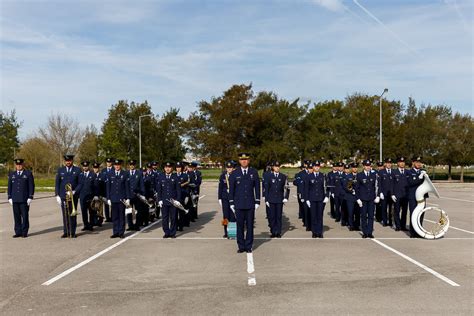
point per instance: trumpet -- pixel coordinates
(70, 199)
(144, 200)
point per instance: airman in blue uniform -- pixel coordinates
(266, 173)
(87, 191)
(348, 184)
(118, 197)
(344, 207)
(307, 210)
(168, 188)
(104, 175)
(416, 176)
(337, 193)
(386, 184)
(183, 218)
(400, 194)
(378, 206)
(21, 189)
(223, 195)
(244, 199)
(367, 196)
(195, 181)
(100, 193)
(316, 196)
(298, 183)
(137, 190)
(68, 174)
(277, 194)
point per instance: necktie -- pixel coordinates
(133, 173)
(168, 177)
(116, 174)
(403, 171)
(389, 171)
(245, 172)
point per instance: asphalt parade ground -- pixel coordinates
(199, 272)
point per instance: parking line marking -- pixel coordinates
(447, 198)
(428, 269)
(202, 196)
(456, 228)
(97, 255)
(251, 280)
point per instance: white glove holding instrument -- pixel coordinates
(29, 201)
(220, 202)
(394, 198)
(10, 201)
(127, 201)
(257, 206)
(267, 204)
(308, 203)
(326, 199)
(302, 200)
(160, 203)
(422, 174)
(285, 200)
(109, 202)
(96, 198)
(232, 207)
(58, 199)
(382, 196)
(359, 202)
(332, 194)
(377, 200)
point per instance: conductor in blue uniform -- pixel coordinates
(21, 188)
(244, 199)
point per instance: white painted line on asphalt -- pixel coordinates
(428, 269)
(452, 227)
(251, 280)
(461, 200)
(301, 238)
(97, 255)
(202, 196)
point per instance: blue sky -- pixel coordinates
(81, 58)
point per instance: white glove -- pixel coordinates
(302, 200)
(359, 202)
(127, 201)
(332, 194)
(160, 203)
(267, 204)
(109, 202)
(58, 199)
(257, 206)
(377, 200)
(394, 198)
(68, 193)
(285, 200)
(232, 207)
(186, 199)
(220, 202)
(96, 198)
(10, 201)
(308, 203)
(28, 201)
(422, 174)
(326, 199)
(382, 196)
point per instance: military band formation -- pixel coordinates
(132, 198)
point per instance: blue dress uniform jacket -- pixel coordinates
(386, 182)
(349, 194)
(275, 188)
(168, 188)
(314, 187)
(64, 177)
(118, 187)
(223, 187)
(366, 186)
(137, 185)
(21, 187)
(244, 191)
(400, 183)
(87, 185)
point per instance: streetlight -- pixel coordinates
(380, 103)
(140, 136)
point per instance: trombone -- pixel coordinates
(69, 208)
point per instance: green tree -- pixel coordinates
(89, 147)
(9, 141)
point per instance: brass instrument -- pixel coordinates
(69, 208)
(350, 185)
(178, 205)
(97, 205)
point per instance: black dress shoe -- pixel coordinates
(338, 220)
(240, 251)
(315, 235)
(278, 235)
(351, 228)
(173, 236)
(272, 236)
(397, 229)
(73, 236)
(25, 235)
(225, 236)
(129, 229)
(122, 236)
(166, 236)
(364, 236)
(308, 229)
(83, 229)
(321, 236)
(370, 236)
(16, 236)
(114, 236)
(384, 224)
(63, 236)
(249, 251)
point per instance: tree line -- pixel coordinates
(269, 127)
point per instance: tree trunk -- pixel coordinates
(462, 174)
(449, 172)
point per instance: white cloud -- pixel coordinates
(332, 5)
